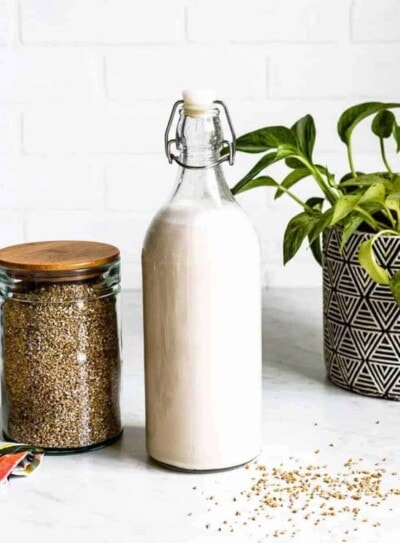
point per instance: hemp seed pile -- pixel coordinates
(61, 366)
(279, 500)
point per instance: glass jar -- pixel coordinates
(61, 344)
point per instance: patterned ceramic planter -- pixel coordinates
(361, 318)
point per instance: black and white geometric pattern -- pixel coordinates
(361, 318)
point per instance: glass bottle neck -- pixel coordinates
(199, 141)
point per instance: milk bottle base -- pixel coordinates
(202, 470)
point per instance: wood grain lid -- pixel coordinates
(57, 256)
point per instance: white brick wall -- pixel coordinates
(374, 21)
(101, 22)
(86, 89)
(6, 22)
(260, 21)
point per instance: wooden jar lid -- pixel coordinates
(57, 256)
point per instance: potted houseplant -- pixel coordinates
(353, 229)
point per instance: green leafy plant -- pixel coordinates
(358, 202)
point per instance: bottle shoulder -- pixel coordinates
(182, 219)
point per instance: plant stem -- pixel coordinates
(390, 217)
(383, 153)
(350, 157)
(330, 179)
(331, 196)
(326, 189)
(294, 197)
(367, 217)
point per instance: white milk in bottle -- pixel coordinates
(202, 308)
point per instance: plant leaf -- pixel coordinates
(315, 202)
(323, 169)
(396, 135)
(304, 130)
(344, 206)
(368, 261)
(294, 163)
(264, 181)
(321, 223)
(394, 285)
(375, 193)
(382, 123)
(265, 161)
(265, 139)
(355, 114)
(396, 183)
(296, 231)
(291, 179)
(349, 176)
(352, 223)
(348, 183)
(286, 151)
(362, 180)
(392, 202)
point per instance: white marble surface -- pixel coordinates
(116, 494)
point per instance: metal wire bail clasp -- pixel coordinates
(231, 144)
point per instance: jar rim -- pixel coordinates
(62, 276)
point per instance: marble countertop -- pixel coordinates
(117, 494)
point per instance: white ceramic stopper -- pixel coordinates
(198, 100)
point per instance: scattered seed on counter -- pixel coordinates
(322, 494)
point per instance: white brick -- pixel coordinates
(50, 75)
(309, 72)
(139, 183)
(335, 72)
(100, 21)
(115, 129)
(210, 22)
(8, 185)
(125, 230)
(131, 272)
(375, 73)
(374, 21)
(10, 133)
(7, 17)
(233, 71)
(45, 183)
(11, 228)
(268, 21)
